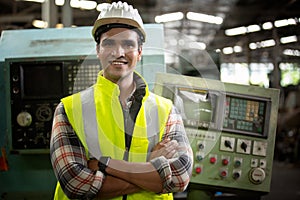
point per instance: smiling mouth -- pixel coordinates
(118, 62)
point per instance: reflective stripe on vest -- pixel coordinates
(91, 126)
(99, 124)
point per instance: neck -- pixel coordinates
(126, 86)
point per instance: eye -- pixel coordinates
(128, 44)
(108, 43)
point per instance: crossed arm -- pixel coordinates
(127, 178)
(80, 178)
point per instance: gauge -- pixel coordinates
(24, 119)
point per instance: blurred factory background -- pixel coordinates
(248, 42)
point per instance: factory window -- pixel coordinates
(235, 73)
(247, 74)
(259, 73)
(290, 74)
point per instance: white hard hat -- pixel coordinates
(119, 13)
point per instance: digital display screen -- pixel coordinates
(42, 81)
(244, 115)
(196, 106)
(229, 112)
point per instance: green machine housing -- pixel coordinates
(231, 129)
(38, 68)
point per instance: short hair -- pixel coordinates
(104, 28)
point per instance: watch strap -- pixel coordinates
(103, 163)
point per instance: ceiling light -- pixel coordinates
(253, 28)
(75, 3)
(236, 31)
(88, 5)
(280, 23)
(268, 43)
(197, 45)
(237, 49)
(227, 50)
(253, 46)
(169, 17)
(292, 21)
(267, 25)
(288, 39)
(59, 2)
(262, 44)
(102, 6)
(285, 22)
(291, 52)
(204, 18)
(40, 24)
(83, 4)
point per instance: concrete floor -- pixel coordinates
(285, 183)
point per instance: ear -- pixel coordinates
(140, 50)
(97, 49)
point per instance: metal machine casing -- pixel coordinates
(45, 58)
(232, 135)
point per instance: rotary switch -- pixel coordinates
(244, 146)
(257, 175)
(228, 144)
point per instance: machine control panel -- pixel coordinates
(231, 129)
(36, 88)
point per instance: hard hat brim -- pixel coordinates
(117, 20)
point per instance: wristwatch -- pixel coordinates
(102, 164)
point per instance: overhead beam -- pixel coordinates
(16, 19)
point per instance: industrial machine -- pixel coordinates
(37, 69)
(231, 129)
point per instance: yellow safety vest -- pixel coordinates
(96, 116)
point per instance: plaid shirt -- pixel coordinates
(69, 160)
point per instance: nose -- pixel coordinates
(118, 51)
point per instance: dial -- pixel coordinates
(24, 119)
(44, 113)
(257, 175)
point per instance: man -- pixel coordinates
(116, 139)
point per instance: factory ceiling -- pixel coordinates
(18, 14)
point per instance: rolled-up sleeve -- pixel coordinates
(175, 172)
(69, 161)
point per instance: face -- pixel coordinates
(118, 52)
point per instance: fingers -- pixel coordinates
(167, 148)
(171, 149)
(166, 140)
(161, 144)
(172, 145)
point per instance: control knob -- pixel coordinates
(244, 146)
(257, 175)
(24, 119)
(228, 144)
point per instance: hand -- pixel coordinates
(167, 148)
(93, 164)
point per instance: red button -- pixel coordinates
(198, 170)
(212, 160)
(225, 162)
(223, 173)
